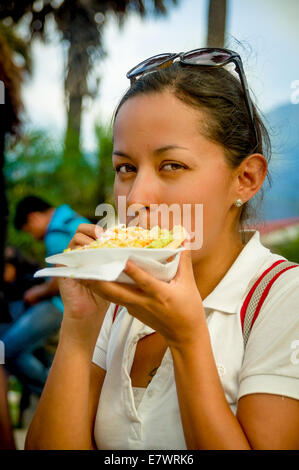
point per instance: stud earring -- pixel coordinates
(238, 203)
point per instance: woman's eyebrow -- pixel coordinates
(168, 147)
(121, 154)
(156, 152)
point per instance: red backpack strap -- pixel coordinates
(258, 293)
(115, 313)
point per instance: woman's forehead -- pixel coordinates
(158, 117)
(158, 104)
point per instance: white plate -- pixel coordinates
(107, 264)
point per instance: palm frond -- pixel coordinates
(17, 45)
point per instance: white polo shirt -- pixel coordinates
(270, 363)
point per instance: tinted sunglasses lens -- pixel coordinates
(206, 57)
(150, 63)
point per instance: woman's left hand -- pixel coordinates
(174, 309)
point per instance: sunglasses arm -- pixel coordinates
(241, 73)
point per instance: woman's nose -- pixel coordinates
(144, 191)
(143, 198)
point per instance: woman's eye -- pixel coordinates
(127, 168)
(123, 168)
(172, 166)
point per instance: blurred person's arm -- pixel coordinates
(41, 291)
(6, 430)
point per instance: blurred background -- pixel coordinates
(63, 64)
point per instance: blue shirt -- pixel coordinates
(60, 231)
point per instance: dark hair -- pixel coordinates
(219, 94)
(26, 206)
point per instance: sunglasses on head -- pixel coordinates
(205, 58)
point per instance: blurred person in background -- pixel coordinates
(18, 278)
(6, 429)
(31, 331)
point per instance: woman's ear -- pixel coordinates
(251, 174)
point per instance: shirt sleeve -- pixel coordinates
(271, 359)
(56, 242)
(62, 231)
(74, 224)
(100, 350)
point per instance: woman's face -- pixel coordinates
(161, 157)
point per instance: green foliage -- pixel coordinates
(289, 250)
(35, 165)
(19, 47)
(81, 25)
(105, 170)
(29, 165)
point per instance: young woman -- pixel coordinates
(171, 370)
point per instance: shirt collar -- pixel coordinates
(227, 295)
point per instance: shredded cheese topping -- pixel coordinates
(136, 237)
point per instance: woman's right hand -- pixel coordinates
(81, 304)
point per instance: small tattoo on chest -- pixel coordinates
(152, 373)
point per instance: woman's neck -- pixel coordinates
(210, 269)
